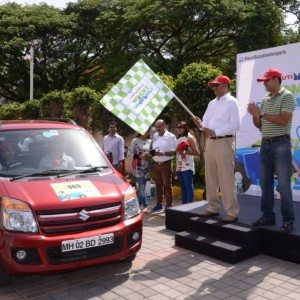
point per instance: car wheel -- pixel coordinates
(240, 173)
(5, 278)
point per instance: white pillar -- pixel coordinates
(31, 70)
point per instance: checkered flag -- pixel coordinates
(138, 98)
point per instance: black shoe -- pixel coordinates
(263, 221)
(287, 227)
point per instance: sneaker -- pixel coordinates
(156, 208)
(287, 227)
(263, 221)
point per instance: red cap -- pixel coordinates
(270, 73)
(219, 79)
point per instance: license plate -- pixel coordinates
(90, 242)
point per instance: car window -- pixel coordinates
(45, 149)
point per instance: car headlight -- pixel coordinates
(17, 216)
(131, 204)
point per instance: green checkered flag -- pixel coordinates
(138, 98)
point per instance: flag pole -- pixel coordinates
(184, 106)
(186, 109)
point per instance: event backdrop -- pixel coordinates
(250, 66)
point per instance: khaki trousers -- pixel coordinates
(219, 173)
(162, 174)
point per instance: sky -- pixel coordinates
(56, 3)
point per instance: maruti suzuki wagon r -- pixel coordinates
(63, 205)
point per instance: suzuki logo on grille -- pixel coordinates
(84, 215)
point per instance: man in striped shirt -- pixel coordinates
(274, 120)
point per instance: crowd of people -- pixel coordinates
(153, 157)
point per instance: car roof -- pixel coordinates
(36, 124)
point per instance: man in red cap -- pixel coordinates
(274, 119)
(220, 123)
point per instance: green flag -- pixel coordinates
(138, 98)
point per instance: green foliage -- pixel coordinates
(31, 109)
(191, 87)
(79, 104)
(94, 42)
(11, 111)
(53, 66)
(167, 79)
(52, 105)
(290, 6)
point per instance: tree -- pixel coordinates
(18, 26)
(191, 86)
(94, 42)
(79, 103)
(52, 104)
(174, 33)
(11, 111)
(31, 109)
(290, 6)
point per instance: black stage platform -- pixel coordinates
(236, 241)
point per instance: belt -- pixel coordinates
(220, 137)
(271, 139)
(162, 162)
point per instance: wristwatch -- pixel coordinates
(262, 114)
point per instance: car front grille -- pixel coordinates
(81, 219)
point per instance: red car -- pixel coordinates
(63, 206)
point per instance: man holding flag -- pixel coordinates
(220, 122)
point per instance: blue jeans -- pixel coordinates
(276, 158)
(141, 181)
(185, 179)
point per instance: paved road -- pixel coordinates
(163, 271)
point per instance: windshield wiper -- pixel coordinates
(89, 170)
(42, 173)
(60, 172)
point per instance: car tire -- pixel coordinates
(246, 182)
(5, 278)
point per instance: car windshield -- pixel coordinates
(41, 150)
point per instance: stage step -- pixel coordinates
(268, 240)
(235, 231)
(211, 246)
(229, 242)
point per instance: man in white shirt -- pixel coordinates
(164, 148)
(220, 123)
(113, 146)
